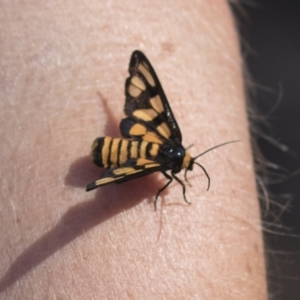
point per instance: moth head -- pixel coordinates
(189, 162)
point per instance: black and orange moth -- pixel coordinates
(151, 140)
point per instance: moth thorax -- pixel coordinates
(187, 161)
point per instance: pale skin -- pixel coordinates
(63, 67)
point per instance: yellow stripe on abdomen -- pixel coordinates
(143, 147)
(114, 152)
(123, 155)
(154, 150)
(106, 151)
(134, 149)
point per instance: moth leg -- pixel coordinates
(183, 186)
(161, 189)
(205, 172)
(185, 177)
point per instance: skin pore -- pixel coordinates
(62, 84)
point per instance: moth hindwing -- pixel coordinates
(151, 136)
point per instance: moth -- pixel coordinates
(152, 140)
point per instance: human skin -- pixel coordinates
(63, 67)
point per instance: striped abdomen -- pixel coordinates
(108, 152)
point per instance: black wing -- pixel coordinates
(149, 114)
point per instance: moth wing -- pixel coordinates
(132, 128)
(146, 104)
(139, 168)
